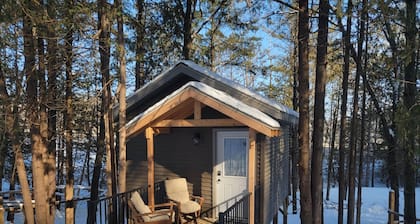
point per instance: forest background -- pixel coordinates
(351, 69)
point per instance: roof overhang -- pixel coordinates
(172, 110)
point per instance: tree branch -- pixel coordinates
(288, 5)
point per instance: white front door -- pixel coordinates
(231, 168)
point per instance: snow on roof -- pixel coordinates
(217, 77)
(216, 95)
(241, 88)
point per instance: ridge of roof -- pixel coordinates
(239, 87)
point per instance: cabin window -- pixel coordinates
(235, 156)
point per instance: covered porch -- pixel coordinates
(114, 209)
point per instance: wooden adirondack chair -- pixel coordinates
(141, 213)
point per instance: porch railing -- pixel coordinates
(113, 209)
(238, 213)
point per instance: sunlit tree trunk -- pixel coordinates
(12, 132)
(68, 115)
(104, 51)
(37, 144)
(52, 102)
(122, 101)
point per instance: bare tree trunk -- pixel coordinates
(354, 123)
(361, 158)
(392, 151)
(43, 118)
(410, 92)
(140, 50)
(332, 149)
(122, 100)
(295, 152)
(188, 19)
(304, 169)
(375, 141)
(94, 194)
(38, 147)
(319, 114)
(104, 51)
(52, 104)
(68, 116)
(12, 187)
(343, 117)
(363, 37)
(12, 132)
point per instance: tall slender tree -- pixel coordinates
(410, 92)
(140, 49)
(343, 113)
(319, 113)
(332, 147)
(354, 122)
(32, 93)
(52, 102)
(104, 26)
(303, 76)
(68, 114)
(12, 132)
(122, 96)
(188, 17)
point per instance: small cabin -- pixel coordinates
(226, 140)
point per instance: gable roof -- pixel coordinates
(244, 114)
(185, 71)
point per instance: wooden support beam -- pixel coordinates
(251, 173)
(161, 130)
(150, 167)
(234, 113)
(197, 110)
(198, 123)
(165, 108)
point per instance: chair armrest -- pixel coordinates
(165, 205)
(198, 199)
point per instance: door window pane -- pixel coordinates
(235, 156)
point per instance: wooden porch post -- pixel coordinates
(150, 168)
(251, 174)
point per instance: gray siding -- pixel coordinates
(274, 174)
(175, 156)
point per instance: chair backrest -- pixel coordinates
(139, 203)
(177, 189)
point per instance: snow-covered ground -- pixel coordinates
(374, 206)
